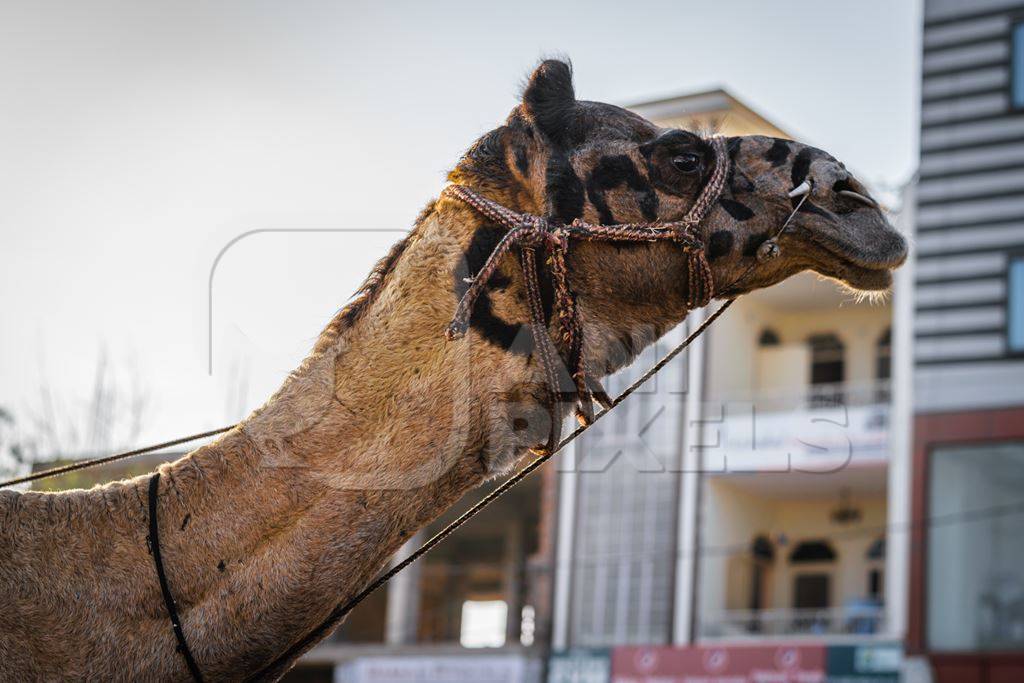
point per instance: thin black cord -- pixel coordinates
(165, 589)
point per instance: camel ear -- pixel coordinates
(549, 99)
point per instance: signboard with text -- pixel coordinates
(777, 663)
(874, 663)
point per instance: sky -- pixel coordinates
(139, 141)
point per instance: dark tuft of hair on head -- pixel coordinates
(549, 99)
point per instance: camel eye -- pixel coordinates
(686, 163)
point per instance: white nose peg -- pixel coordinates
(800, 190)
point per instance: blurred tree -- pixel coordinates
(110, 418)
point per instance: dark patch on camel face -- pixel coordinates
(483, 320)
(720, 244)
(779, 153)
(737, 181)
(564, 189)
(612, 171)
(801, 166)
(522, 160)
(738, 210)
(513, 337)
(753, 242)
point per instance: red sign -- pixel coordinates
(783, 663)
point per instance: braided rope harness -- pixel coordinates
(531, 233)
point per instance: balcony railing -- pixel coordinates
(814, 396)
(851, 620)
(824, 427)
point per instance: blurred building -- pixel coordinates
(967, 589)
(738, 507)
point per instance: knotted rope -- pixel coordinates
(531, 233)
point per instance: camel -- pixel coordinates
(387, 422)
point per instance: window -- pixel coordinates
(875, 557)
(1017, 68)
(483, 623)
(975, 558)
(1015, 294)
(811, 591)
(883, 366)
(828, 370)
(769, 337)
(875, 590)
(883, 357)
(812, 551)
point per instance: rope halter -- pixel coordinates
(530, 232)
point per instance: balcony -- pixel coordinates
(852, 620)
(822, 428)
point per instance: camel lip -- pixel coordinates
(865, 279)
(853, 257)
(856, 269)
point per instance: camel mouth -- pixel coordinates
(863, 279)
(861, 250)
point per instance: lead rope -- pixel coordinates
(768, 250)
(279, 665)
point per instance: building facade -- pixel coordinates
(966, 611)
(738, 508)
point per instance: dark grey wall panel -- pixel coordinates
(965, 31)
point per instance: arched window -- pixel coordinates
(812, 551)
(828, 370)
(769, 337)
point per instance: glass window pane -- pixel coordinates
(975, 583)
(1018, 65)
(1015, 304)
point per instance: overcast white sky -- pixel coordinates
(137, 139)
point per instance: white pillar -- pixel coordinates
(689, 480)
(403, 610)
(564, 542)
(901, 433)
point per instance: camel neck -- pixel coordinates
(380, 430)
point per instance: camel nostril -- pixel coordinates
(859, 197)
(846, 189)
(843, 184)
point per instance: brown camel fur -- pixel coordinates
(386, 424)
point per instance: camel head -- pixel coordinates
(839, 231)
(565, 158)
